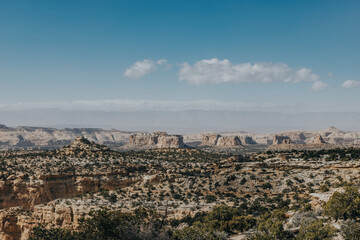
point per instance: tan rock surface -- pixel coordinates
(319, 140)
(155, 140)
(216, 140)
(280, 139)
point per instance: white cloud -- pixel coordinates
(351, 84)
(161, 61)
(222, 71)
(142, 68)
(318, 86)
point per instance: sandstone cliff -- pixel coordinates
(216, 140)
(247, 140)
(277, 140)
(155, 140)
(210, 139)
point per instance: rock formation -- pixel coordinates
(216, 140)
(210, 139)
(81, 144)
(247, 140)
(319, 140)
(155, 140)
(228, 141)
(280, 139)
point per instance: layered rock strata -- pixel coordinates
(280, 139)
(155, 140)
(216, 140)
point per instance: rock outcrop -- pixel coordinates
(155, 140)
(319, 140)
(280, 139)
(210, 139)
(81, 145)
(247, 140)
(228, 141)
(216, 140)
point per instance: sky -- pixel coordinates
(130, 55)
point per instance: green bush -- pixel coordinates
(351, 230)
(271, 227)
(344, 205)
(107, 225)
(316, 230)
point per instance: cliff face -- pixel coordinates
(216, 140)
(19, 192)
(319, 140)
(155, 140)
(210, 139)
(228, 141)
(278, 140)
(247, 140)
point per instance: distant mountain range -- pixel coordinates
(181, 122)
(45, 137)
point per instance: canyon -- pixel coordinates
(56, 187)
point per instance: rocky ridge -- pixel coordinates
(50, 138)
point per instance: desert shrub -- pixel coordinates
(210, 198)
(198, 231)
(41, 233)
(316, 230)
(344, 205)
(351, 230)
(217, 224)
(107, 225)
(271, 227)
(324, 188)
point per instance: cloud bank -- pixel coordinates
(318, 86)
(215, 71)
(212, 71)
(351, 84)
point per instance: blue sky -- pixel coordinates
(75, 54)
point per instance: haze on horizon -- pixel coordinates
(179, 66)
